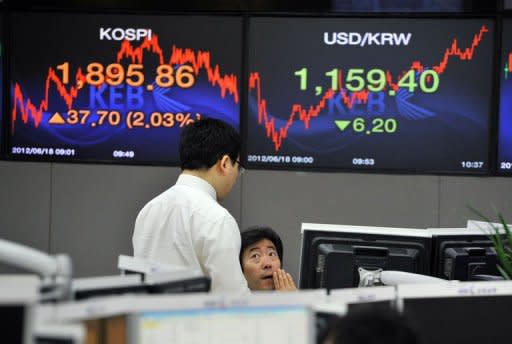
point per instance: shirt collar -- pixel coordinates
(197, 183)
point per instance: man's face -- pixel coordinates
(259, 261)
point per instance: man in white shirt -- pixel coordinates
(185, 225)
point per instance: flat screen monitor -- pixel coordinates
(505, 117)
(3, 118)
(118, 88)
(59, 334)
(13, 323)
(470, 313)
(462, 320)
(281, 324)
(164, 283)
(19, 295)
(332, 254)
(463, 254)
(370, 94)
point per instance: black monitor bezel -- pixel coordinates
(311, 239)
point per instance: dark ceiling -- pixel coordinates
(322, 6)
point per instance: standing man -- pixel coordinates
(185, 225)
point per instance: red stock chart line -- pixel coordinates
(199, 60)
(508, 66)
(306, 114)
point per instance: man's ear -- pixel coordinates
(222, 164)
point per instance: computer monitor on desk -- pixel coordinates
(164, 278)
(459, 312)
(59, 334)
(463, 254)
(276, 324)
(18, 296)
(332, 254)
(135, 265)
(155, 283)
(87, 287)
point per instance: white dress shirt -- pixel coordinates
(186, 226)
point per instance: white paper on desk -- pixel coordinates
(357, 295)
(129, 263)
(308, 297)
(94, 308)
(455, 289)
(170, 302)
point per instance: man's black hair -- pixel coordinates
(255, 234)
(205, 141)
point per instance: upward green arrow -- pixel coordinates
(342, 124)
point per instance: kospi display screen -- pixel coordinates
(97, 87)
(505, 121)
(369, 93)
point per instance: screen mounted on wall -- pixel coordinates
(369, 93)
(2, 111)
(98, 87)
(505, 121)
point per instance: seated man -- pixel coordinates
(261, 255)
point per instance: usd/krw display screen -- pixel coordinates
(505, 121)
(91, 87)
(368, 93)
